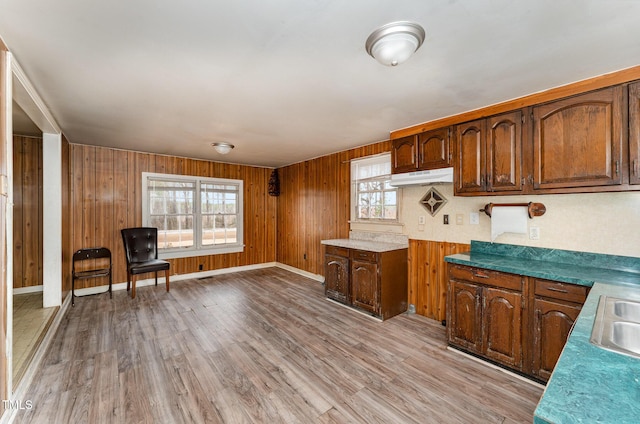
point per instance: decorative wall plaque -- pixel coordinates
(433, 201)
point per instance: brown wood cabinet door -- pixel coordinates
(577, 142)
(504, 152)
(551, 327)
(634, 133)
(404, 155)
(470, 157)
(364, 285)
(336, 282)
(502, 326)
(433, 149)
(465, 315)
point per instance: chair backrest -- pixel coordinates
(140, 244)
(90, 253)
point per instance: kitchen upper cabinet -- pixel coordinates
(428, 150)
(404, 155)
(336, 267)
(504, 152)
(577, 142)
(634, 133)
(489, 154)
(433, 149)
(470, 155)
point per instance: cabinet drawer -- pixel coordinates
(486, 277)
(364, 255)
(562, 291)
(338, 251)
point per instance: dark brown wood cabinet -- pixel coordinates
(489, 155)
(485, 314)
(374, 282)
(428, 150)
(555, 308)
(634, 133)
(578, 141)
(488, 315)
(336, 271)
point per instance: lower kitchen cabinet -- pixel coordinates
(485, 314)
(374, 282)
(515, 321)
(555, 308)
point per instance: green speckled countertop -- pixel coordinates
(588, 384)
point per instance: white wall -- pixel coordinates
(597, 222)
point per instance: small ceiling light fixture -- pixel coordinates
(395, 42)
(222, 147)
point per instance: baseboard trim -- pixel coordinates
(200, 274)
(26, 290)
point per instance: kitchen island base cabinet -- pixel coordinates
(373, 282)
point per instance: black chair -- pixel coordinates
(102, 256)
(141, 251)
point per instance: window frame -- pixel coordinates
(384, 177)
(198, 249)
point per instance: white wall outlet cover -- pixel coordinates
(474, 218)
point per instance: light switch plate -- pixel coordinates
(474, 218)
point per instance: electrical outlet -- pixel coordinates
(474, 218)
(422, 220)
(534, 233)
(459, 219)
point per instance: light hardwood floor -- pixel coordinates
(260, 346)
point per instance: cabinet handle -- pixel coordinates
(479, 275)
(360, 268)
(334, 263)
(617, 167)
(635, 167)
(554, 289)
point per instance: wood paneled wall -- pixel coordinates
(105, 189)
(314, 205)
(428, 276)
(27, 211)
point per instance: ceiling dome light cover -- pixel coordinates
(395, 42)
(223, 148)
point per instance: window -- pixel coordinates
(373, 198)
(194, 215)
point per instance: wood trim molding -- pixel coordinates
(595, 83)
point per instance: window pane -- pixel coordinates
(390, 198)
(390, 212)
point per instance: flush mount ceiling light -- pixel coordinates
(222, 147)
(395, 42)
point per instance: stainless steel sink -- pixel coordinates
(627, 310)
(617, 326)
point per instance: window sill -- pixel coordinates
(201, 252)
(389, 227)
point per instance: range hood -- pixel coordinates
(431, 176)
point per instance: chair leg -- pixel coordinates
(156, 277)
(166, 277)
(73, 294)
(110, 284)
(128, 279)
(133, 287)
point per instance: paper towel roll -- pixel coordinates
(508, 219)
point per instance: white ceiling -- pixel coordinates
(289, 80)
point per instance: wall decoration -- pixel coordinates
(274, 184)
(433, 201)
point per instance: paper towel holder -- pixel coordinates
(535, 209)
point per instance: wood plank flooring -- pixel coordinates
(260, 346)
